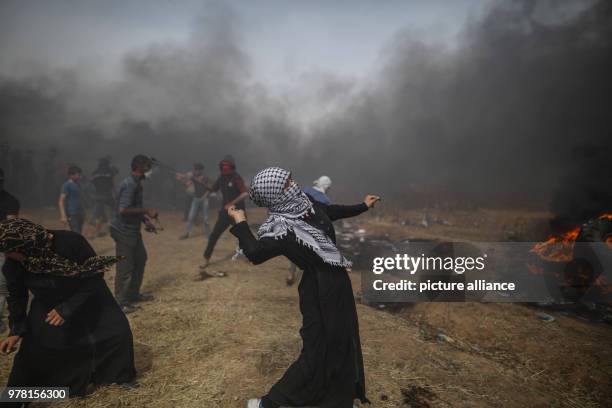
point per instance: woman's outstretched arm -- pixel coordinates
(257, 251)
(337, 212)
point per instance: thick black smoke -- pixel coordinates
(511, 114)
(502, 117)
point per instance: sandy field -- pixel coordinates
(219, 342)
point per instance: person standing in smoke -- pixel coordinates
(9, 209)
(318, 193)
(319, 188)
(71, 201)
(73, 333)
(103, 181)
(329, 371)
(233, 192)
(128, 217)
(200, 186)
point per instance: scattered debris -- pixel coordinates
(545, 317)
(441, 336)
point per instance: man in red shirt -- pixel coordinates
(233, 191)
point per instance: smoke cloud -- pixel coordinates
(517, 111)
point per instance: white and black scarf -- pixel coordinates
(286, 210)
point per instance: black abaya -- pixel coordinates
(329, 370)
(94, 345)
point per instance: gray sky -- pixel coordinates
(283, 38)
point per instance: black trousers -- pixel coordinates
(223, 222)
(130, 271)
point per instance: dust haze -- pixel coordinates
(518, 111)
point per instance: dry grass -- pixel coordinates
(218, 342)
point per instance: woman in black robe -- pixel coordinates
(74, 333)
(329, 371)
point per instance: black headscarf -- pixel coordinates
(34, 241)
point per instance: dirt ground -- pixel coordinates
(218, 342)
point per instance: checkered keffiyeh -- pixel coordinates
(286, 210)
(34, 241)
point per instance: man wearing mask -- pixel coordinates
(319, 188)
(9, 208)
(233, 191)
(128, 216)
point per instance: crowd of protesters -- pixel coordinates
(71, 331)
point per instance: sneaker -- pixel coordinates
(237, 254)
(254, 403)
(205, 264)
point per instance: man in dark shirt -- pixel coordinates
(9, 208)
(233, 191)
(128, 216)
(103, 181)
(199, 186)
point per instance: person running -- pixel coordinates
(128, 217)
(9, 209)
(200, 184)
(329, 370)
(233, 192)
(70, 201)
(73, 332)
(103, 181)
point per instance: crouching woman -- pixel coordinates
(74, 333)
(329, 370)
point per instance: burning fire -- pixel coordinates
(560, 248)
(557, 248)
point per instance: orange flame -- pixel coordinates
(557, 248)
